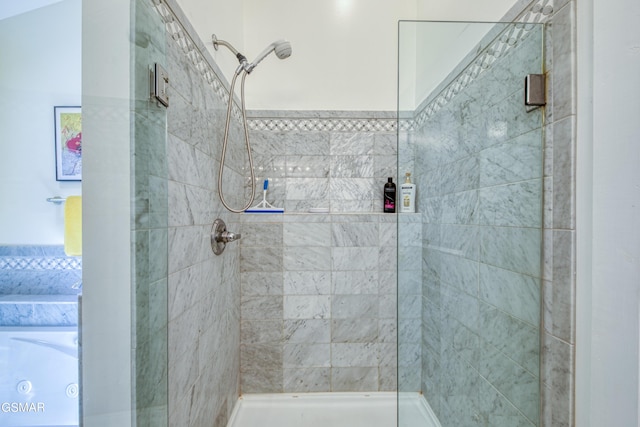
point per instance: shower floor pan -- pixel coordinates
(332, 410)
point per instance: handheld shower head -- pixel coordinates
(282, 48)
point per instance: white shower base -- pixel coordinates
(332, 410)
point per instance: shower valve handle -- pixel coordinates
(227, 236)
(220, 236)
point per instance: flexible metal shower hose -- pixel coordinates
(246, 138)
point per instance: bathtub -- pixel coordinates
(376, 409)
(39, 376)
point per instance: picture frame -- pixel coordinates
(68, 142)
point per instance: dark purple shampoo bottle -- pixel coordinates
(390, 196)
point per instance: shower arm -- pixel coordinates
(244, 64)
(217, 42)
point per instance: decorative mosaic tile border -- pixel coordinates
(324, 124)
(40, 263)
(536, 13)
(176, 30)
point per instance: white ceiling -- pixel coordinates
(9, 8)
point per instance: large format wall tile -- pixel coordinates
(479, 173)
(324, 299)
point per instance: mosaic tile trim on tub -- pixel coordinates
(31, 263)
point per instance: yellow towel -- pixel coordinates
(73, 226)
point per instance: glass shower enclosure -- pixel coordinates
(469, 259)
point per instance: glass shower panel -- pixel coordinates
(469, 260)
(149, 222)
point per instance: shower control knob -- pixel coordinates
(227, 236)
(220, 236)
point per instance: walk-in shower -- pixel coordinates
(307, 307)
(282, 49)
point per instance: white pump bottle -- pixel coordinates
(407, 195)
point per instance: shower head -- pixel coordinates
(282, 48)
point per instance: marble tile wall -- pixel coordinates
(319, 291)
(318, 307)
(203, 289)
(325, 284)
(452, 330)
(187, 299)
(479, 168)
(410, 302)
(331, 159)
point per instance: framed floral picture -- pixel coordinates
(68, 130)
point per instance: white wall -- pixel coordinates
(608, 276)
(344, 51)
(222, 18)
(40, 53)
(463, 10)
